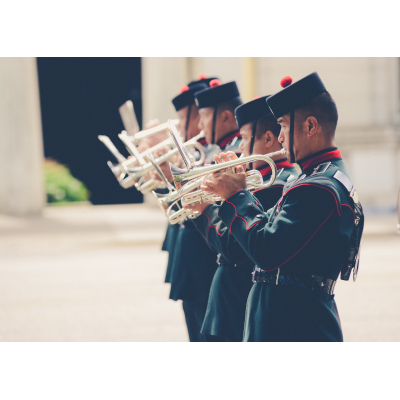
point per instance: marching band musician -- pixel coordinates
(232, 281)
(216, 105)
(193, 263)
(313, 233)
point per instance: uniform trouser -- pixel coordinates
(194, 314)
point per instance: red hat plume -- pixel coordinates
(257, 97)
(184, 89)
(286, 81)
(215, 82)
(201, 76)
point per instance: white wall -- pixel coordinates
(366, 91)
(21, 148)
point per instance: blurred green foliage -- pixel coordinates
(61, 186)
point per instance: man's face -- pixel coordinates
(246, 131)
(259, 146)
(206, 121)
(284, 135)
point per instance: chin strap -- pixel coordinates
(187, 122)
(213, 124)
(291, 137)
(253, 136)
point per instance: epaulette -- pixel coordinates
(346, 182)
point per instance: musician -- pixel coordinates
(216, 105)
(193, 263)
(312, 234)
(233, 280)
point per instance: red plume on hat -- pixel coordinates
(201, 76)
(257, 97)
(184, 89)
(286, 81)
(215, 82)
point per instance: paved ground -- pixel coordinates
(95, 273)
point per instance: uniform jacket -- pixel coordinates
(232, 281)
(306, 232)
(194, 262)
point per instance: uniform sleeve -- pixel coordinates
(271, 242)
(219, 237)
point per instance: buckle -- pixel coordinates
(255, 274)
(321, 168)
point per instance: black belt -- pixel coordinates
(310, 282)
(246, 264)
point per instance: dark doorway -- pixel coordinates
(79, 100)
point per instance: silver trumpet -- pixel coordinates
(138, 172)
(139, 157)
(253, 181)
(120, 174)
(152, 131)
(182, 177)
(193, 179)
(171, 199)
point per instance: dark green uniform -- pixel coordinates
(169, 246)
(232, 280)
(191, 267)
(303, 238)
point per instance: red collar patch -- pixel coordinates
(227, 139)
(320, 159)
(202, 141)
(266, 169)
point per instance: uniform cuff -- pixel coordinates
(241, 206)
(202, 221)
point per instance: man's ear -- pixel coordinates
(312, 126)
(268, 139)
(227, 116)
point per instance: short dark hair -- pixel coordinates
(267, 123)
(230, 105)
(323, 108)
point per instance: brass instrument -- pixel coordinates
(190, 179)
(139, 157)
(254, 180)
(182, 177)
(138, 172)
(152, 131)
(128, 116)
(135, 176)
(120, 174)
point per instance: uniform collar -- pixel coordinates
(202, 141)
(330, 154)
(282, 163)
(228, 138)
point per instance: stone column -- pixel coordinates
(162, 77)
(21, 146)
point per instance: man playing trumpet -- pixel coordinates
(232, 281)
(191, 264)
(312, 234)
